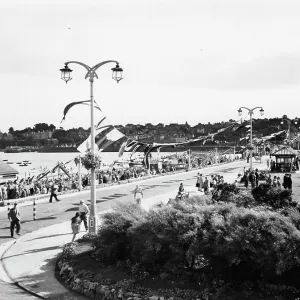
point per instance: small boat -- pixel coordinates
(23, 165)
(19, 163)
(9, 162)
(25, 161)
(5, 159)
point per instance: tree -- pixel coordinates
(51, 127)
(40, 127)
(11, 130)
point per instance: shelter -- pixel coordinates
(7, 172)
(287, 160)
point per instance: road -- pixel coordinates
(53, 213)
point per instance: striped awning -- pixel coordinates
(286, 151)
(6, 169)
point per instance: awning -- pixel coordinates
(285, 151)
(7, 170)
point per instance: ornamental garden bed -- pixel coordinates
(236, 245)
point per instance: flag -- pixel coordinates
(113, 136)
(147, 153)
(63, 168)
(70, 105)
(102, 128)
(42, 175)
(136, 148)
(122, 149)
(131, 145)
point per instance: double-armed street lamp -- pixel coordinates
(295, 121)
(91, 74)
(251, 112)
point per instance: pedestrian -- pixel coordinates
(200, 188)
(54, 188)
(205, 185)
(256, 177)
(14, 218)
(275, 182)
(289, 182)
(278, 182)
(198, 181)
(181, 188)
(285, 181)
(75, 225)
(138, 194)
(252, 179)
(83, 212)
(246, 180)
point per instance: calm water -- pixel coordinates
(38, 161)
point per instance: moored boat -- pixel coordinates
(13, 149)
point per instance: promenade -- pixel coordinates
(27, 263)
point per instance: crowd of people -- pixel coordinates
(30, 187)
(253, 178)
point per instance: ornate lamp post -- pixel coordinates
(91, 74)
(251, 112)
(295, 121)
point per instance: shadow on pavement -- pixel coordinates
(48, 236)
(34, 251)
(5, 237)
(44, 280)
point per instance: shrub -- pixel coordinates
(113, 240)
(274, 197)
(224, 192)
(195, 242)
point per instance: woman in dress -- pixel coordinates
(275, 182)
(138, 194)
(75, 225)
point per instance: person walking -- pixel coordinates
(256, 177)
(83, 212)
(138, 194)
(54, 188)
(200, 181)
(206, 185)
(285, 181)
(14, 218)
(275, 182)
(278, 182)
(246, 180)
(289, 182)
(75, 225)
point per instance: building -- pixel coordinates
(43, 135)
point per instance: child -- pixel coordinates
(75, 225)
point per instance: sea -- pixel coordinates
(37, 162)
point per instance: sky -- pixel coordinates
(189, 60)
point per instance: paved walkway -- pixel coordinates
(30, 260)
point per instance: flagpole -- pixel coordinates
(250, 112)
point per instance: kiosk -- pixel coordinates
(286, 160)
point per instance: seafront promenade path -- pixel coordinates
(27, 263)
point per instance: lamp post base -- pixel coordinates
(93, 224)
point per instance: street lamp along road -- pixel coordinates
(91, 74)
(289, 128)
(251, 112)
